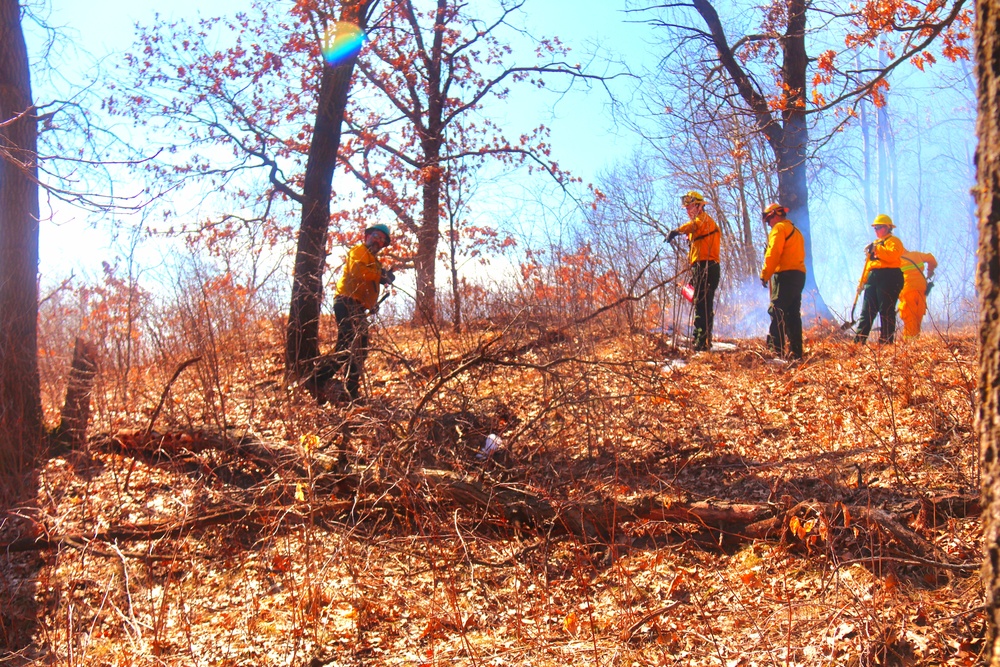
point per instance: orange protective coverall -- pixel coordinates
(913, 298)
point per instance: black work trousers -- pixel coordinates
(786, 313)
(352, 342)
(881, 293)
(705, 281)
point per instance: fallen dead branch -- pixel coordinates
(808, 522)
(484, 354)
(602, 520)
(156, 531)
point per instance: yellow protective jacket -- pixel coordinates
(360, 279)
(786, 250)
(888, 253)
(912, 264)
(703, 235)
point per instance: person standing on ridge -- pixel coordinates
(703, 235)
(784, 271)
(356, 295)
(913, 297)
(882, 280)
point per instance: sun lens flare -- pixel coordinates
(341, 42)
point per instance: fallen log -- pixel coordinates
(807, 522)
(167, 529)
(602, 519)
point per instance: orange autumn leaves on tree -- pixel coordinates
(901, 30)
(420, 121)
(240, 115)
(579, 282)
(226, 113)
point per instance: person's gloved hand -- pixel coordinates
(672, 235)
(763, 283)
(870, 251)
(387, 278)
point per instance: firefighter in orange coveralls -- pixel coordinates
(703, 235)
(356, 295)
(882, 281)
(784, 271)
(913, 298)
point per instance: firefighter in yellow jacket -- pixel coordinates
(703, 235)
(882, 281)
(913, 297)
(784, 271)
(356, 295)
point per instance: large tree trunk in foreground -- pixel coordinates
(20, 406)
(988, 282)
(302, 342)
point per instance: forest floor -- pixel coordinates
(645, 506)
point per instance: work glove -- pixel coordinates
(387, 278)
(672, 235)
(763, 282)
(870, 251)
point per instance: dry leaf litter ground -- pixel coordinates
(297, 534)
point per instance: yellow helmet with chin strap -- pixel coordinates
(883, 219)
(692, 197)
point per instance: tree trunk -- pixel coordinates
(789, 139)
(793, 192)
(793, 149)
(988, 281)
(866, 152)
(302, 342)
(432, 140)
(20, 403)
(748, 253)
(456, 291)
(425, 261)
(76, 410)
(888, 188)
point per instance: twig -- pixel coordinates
(163, 396)
(915, 560)
(156, 413)
(634, 628)
(65, 284)
(128, 593)
(146, 532)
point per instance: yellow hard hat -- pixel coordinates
(692, 197)
(772, 209)
(883, 219)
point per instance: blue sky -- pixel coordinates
(92, 36)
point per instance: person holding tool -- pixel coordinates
(356, 295)
(784, 271)
(882, 281)
(703, 254)
(916, 287)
